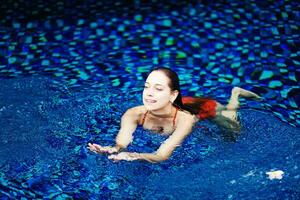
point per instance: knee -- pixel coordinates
(235, 90)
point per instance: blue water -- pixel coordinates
(69, 70)
(45, 132)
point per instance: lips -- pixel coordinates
(150, 101)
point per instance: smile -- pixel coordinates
(150, 101)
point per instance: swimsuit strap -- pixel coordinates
(143, 121)
(175, 117)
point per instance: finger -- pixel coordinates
(97, 145)
(113, 158)
(98, 148)
(106, 149)
(94, 145)
(116, 157)
(91, 148)
(112, 150)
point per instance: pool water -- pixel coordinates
(69, 70)
(44, 155)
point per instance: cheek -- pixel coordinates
(143, 96)
(164, 97)
(143, 93)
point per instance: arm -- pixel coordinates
(166, 149)
(129, 123)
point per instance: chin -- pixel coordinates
(149, 107)
(152, 107)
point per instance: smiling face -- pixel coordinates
(157, 94)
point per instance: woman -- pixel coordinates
(166, 112)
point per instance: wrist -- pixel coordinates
(118, 148)
(136, 156)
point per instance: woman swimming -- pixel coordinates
(165, 111)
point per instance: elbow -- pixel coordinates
(153, 157)
(123, 142)
(162, 157)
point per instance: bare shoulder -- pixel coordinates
(135, 112)
(184, 124)
(185, 118)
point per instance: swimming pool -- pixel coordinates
(69, 70)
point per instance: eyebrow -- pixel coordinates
(157, 84)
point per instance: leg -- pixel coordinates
(229, 129)
(227, 119)
(227, 115)
(236, 92)
(233, 105)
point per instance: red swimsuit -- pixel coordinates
(207, 107)
(174, 119)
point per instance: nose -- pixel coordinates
(149, 92)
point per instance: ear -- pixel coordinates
(174, 95)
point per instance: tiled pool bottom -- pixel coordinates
(44, 132)
(213, 45)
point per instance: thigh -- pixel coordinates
(222, 110)
(227, 119)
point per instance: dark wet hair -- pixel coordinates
(173, 84)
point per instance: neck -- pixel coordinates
(164, 112)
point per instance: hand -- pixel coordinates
(96, 148)
(124, 156)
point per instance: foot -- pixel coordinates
(245, 93)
